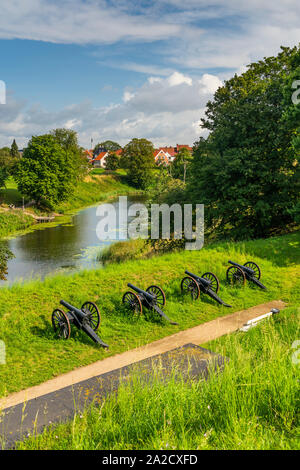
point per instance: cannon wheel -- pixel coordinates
(157, 292)
(255, 267)
(133, 301)
(61, 324)
(190, 286)
(235, 275)
(215, 285)
(93, 314)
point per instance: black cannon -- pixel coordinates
(208, 283)
(153, 298)
(237, 273)
(86, 319)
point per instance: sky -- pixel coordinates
(119, 69)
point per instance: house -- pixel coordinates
(100, 160)
(89, 155)
(167, 155)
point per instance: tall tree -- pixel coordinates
(112, 161)
(181, 164)
(245, 171)
(14, 150)
(47, 172)
(138, 159)
(5, 165)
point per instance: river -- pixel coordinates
(65, 248)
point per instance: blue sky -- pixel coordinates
(122, 69)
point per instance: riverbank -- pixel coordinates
(95, 188)
(34, 354)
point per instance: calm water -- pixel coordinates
(64, 248)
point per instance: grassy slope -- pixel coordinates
(252, 404)
(34, 354)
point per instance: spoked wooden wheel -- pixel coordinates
(133, 302)
(235, 275)
(158, 293)
(213, 280)
(92, 314)
(61, 324)
(190, 286)
(255, 267)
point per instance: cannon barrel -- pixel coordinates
(70, 307)
(91, 333)
(148, 296)
(244, 268)
(205, 282)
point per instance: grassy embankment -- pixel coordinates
(95, 188)
(252, 404)
(34, 354)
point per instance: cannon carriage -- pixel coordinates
(237, 274)
(86, 319)
(208, 284)
(153, 299)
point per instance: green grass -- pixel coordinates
(34, 354)
(12, 222)
(10, 194)
(96, 188)
(252, 404)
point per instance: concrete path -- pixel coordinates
(198, 335)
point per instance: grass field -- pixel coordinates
(252, 404)
(34, 354)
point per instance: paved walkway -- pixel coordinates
(198, 335)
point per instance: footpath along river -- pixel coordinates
(64, 248)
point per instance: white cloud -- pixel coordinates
(77, 21)
(164, 110)
(178, 78)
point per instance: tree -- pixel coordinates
(138, 159)
(112, 161)
(181, 164)
(107, 146)
(5, 255)
(5, 164)
(47, 172)
(245, 171)
(68, 140)
(14, 151)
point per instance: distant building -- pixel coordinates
(166, 155)
(100, 160)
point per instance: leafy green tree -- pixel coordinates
(46, 173)
(68, 140)
(107, 145)
(245, 172)
(5, 164)
(181, 165)
(5, 255)
(138, 159)
(14, 150)
(112, 161)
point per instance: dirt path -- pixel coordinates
(198, 335)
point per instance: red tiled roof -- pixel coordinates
(100, 156)
(184, 147)
(118, 152)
